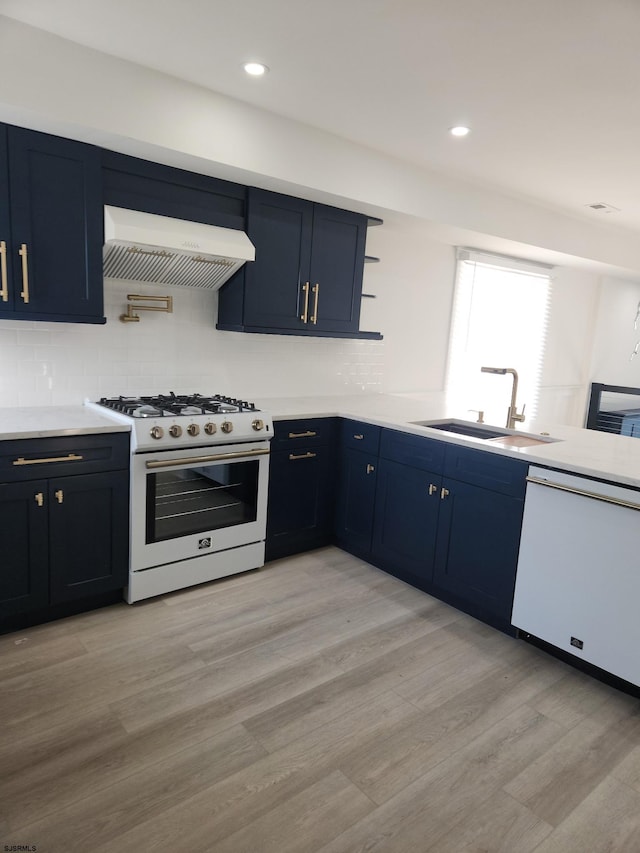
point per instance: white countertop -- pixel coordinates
(47, 421)
(582, 451)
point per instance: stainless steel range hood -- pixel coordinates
(145, 247)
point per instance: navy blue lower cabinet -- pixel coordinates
(64, 537)
(302, 486)
(24, 565)
(406, 520)
(300, 509)
(477, 550)
(356, 500)
(88, 523)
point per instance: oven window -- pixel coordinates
(200, 499)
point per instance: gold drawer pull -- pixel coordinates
(359, 436)
(370, 468)
(25, 273)
(305, 311)
(59, 496)
(443, 493)
(308, 434)
(4, 291)
(72, 457)
(432, 488)
(307, 455)
(315, 289)
(39, 498)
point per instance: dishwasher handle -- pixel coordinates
(583, 493)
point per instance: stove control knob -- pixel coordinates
(193, 429)
(157, 432)
(175, 431)
(257, 424)
(226, 426)
(210, 428)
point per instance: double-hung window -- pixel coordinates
(500, 318)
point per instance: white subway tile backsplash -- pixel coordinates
(64, 363)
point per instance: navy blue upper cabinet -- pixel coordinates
(52, 228)
(154, 188)
(307, 276)
(335, 274)
(280, 229)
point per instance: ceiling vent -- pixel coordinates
(601, 207)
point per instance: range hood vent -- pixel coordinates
(159, 249)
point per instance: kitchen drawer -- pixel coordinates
(308, 432)
(488, 470)
(35, 458)
(360, 436)
(425, 454)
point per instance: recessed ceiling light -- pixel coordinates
(460, 130)
(255, 69)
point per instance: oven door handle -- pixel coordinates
(202, 460)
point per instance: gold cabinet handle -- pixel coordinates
(305, 311)
(443, 493)
(39, 498)
(71, 457)
(59, 496)
(307, 455)
(315, 290)
(25, 273)
(432, 488)
(308, 434)
(370, 468)
(4, 291)
(358, 436)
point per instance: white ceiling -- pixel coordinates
(551, 89)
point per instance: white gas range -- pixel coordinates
(199, 477)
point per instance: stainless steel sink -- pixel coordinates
(496, 435)
(474, 430)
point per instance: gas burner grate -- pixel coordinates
(172, 405)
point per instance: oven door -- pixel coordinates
(186, 504)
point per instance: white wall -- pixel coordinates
(75, 91)
(78, 92)
(566, 366)
(614, 337)
(60, 363)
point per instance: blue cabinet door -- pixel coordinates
(307, 275)
(54, 258)
(300, 509)
(280, 229)
(356, 500)
(302, 486)
(88, 533)
(7, 291)
(24, 572)
(337, 262)
(406, 519)
(477, 549)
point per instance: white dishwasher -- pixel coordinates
(578, 579)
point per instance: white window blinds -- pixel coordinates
(500, 318)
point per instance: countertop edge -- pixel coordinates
(587, 453)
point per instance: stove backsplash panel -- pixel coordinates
(64, 363)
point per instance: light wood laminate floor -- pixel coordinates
(315, 705)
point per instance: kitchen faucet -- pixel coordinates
(512, 415)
